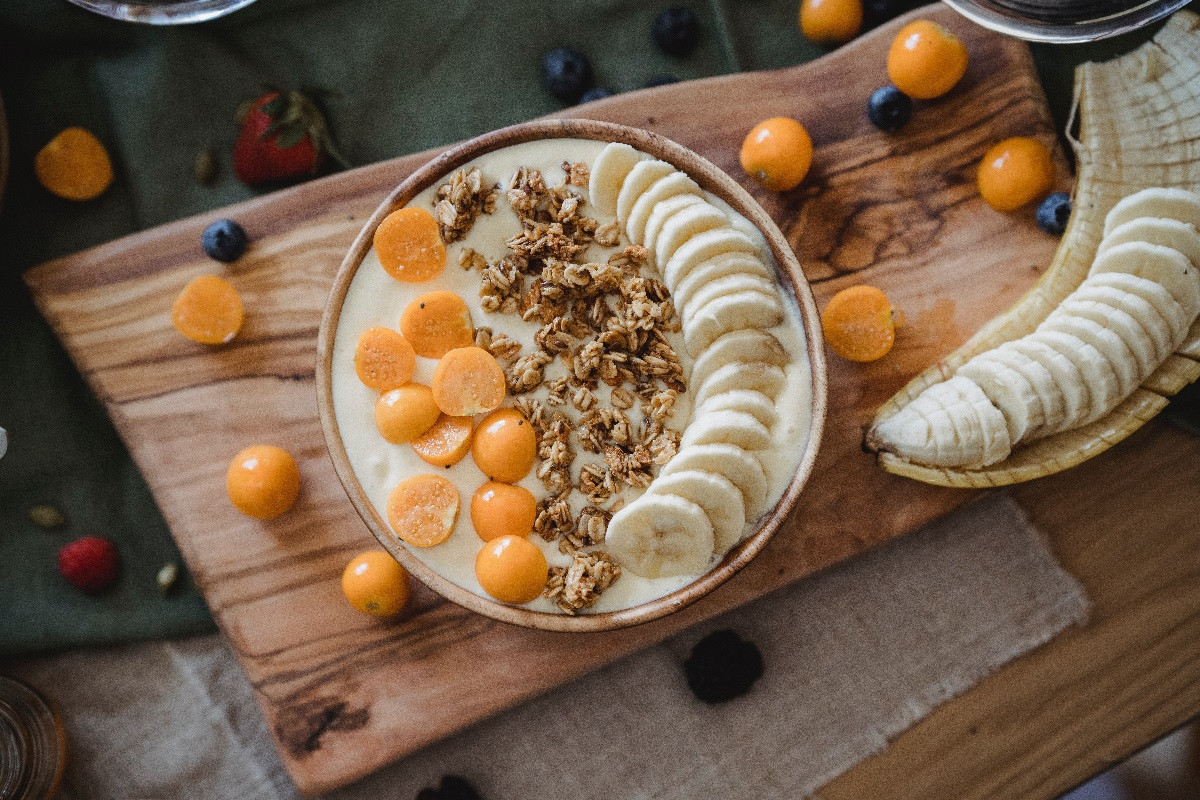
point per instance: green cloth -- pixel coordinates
(396, 76)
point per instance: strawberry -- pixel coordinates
(90, 564)
(283, 136)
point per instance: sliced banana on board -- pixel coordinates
(1009, 391)
(731, 312)
(1166, 308)
(683, 226)
(608, 173)
(1172, 203)
(716, 495)
(727, 427)
(660, 535)
(719, 267)
(699, 248)
(643, 175)
(1171, 233)
(1165, 266)
(1067, 379)
(756, 375)
(663, 189)
(1108, 343)
(731, 462)
(1154, 326)
(1123, 324)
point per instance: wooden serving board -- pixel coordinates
(345, 693)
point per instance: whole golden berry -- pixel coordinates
(777, 153)
(263, 481)
(926, 60)
(74, 165)
(375, 583)
(831, 21)
(859, 323)
(1015, 172)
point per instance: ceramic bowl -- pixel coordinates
(712, 179)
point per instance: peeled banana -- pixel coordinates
(1126, 264)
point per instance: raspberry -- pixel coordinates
(722, 666)
(90, 564)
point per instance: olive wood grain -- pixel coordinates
(345, 693)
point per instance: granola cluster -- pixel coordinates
(460, 201)
(601, 350)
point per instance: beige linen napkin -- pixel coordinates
(853, 657)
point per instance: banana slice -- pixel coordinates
(737, 282)
(719, 267)
(1141, 346)
(1101, 289)
(1111, 347)
(700, 248)
(716, 495)
(608, 173)
(1166, 308)
(765, 378)
(731, 462)
(731, 312)
(1171, 233)
(1066, 380)
(1163, 265)
(1051, 404)
(1172, 203)
(659, 535)
(750, 401)
(663, 211)
(674, 184)
(743, 345)
(1009, 391)
(980, 433)
(681, 227)
(921, 432)
(643, 175)
(1099, 378)
(727, 427)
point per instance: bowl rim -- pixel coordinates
(788, 272)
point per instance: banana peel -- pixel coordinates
(1139, 127)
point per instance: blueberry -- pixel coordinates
(566, 73)
(889, 109)
(877, 12)
(596, 93)
(661, 80)
(722, 666)
(1053, 213)
(224, 240)
(676, 31)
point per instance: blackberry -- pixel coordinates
(676, 31)
(1053, 213)
(224, 240)
(722, 666)
(566, 73)
(889, 109)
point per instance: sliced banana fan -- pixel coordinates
(1139, 127)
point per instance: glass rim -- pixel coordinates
(162, 12)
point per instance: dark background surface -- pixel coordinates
(394, 76)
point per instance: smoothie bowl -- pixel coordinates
(571, 376)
